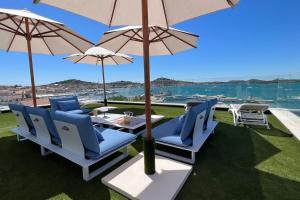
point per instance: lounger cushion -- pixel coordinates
(54, 101)
(113, 140)
(68, 105)
(190, 120)
(167, 133)
(22, 109)
(45, 114)
(85, 128)
(210, 104)
(79, 111)
(98, 134)
(180, 122)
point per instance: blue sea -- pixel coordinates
(283, 95)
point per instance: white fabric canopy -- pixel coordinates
(46, 36)
(163, 41)
(95, 55)
(129, 12)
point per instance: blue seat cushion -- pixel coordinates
(68, 105)
(54, 101)
(113, 140)
(167, 133)
(176, 140)
(45, 114)
(84, 126)
(77, 111)
(22, 109)
(190, 120)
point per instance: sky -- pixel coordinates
(256, 39)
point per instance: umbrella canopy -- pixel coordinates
(24, 31)
(96, 55)
(163, 41)
(128, 12)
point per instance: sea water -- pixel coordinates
(284, 95)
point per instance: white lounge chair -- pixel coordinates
(250, 113)
(72, 136)
(187, 132)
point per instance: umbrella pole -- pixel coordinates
(149, 149)
(33, 91)
(103, 78)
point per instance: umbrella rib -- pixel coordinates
(162, 41)
(11, 29)
(15, 34)
(63, 38)
(164, 31)
(112, 14)
(45, 42)
(35, 26)
(46, 32)
(5, 18)
(231, 4)
(135, 33)
(181, 40)
(70, 32)
(164, 8)
(80, 59)
(114, 60)
(129, 60)
(16, 24)
(112, 37)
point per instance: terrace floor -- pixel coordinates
(234, 163)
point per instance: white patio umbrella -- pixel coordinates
(163, 41)
(24, 31)
(96, 55)
(143, 12)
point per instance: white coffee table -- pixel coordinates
(116, 121)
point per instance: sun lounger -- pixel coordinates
(87, 145)
(76, 138)
(67, 104)
(249, 113)
(187, 132)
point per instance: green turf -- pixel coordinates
(234, 163)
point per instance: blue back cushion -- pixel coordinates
(210, 104)
(180, 123)
(22, 109)
(68, 105)
(84, 126)
(44, 113)
(98, 135)
(190, 120)
(53, 101)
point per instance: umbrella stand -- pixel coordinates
(149, 149)
(103, 78)
(33, 91)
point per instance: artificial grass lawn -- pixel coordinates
(234, 163)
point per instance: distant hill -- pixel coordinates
(74, 84)
(169, 82)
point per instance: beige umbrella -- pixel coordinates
(24, 31)
(96, 55)
(143, 12)
(128, 12)
(163, 41)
